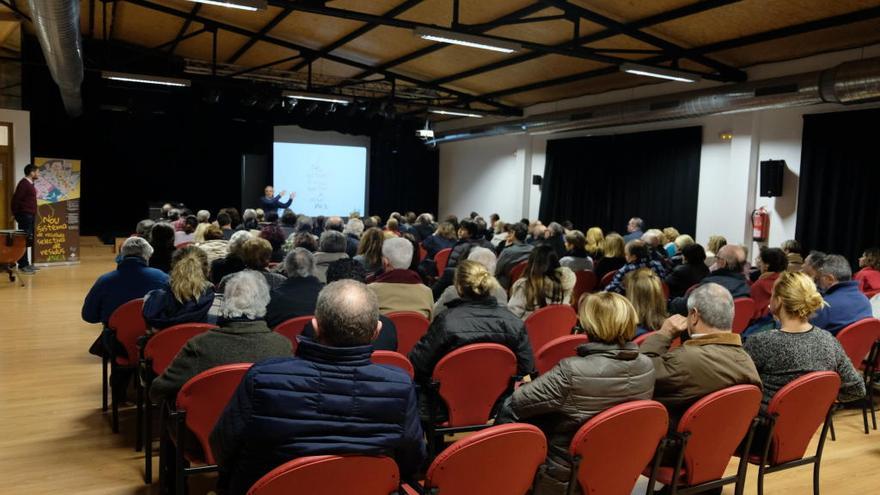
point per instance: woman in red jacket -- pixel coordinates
(771, 262)
(869, 275)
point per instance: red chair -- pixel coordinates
(556, 350)
(423, 253)
(586, 282)
(200, 403)
(607, 278)
(548, 323)
(411, 327)
(743, 311)
(331, 475)
(292, 328)
(642, 338)
(128, 325)
(858, 340)
(703, 448)
(391, 358)
(610, 450)
(793, 416)
(469, 381)
(517, 271)
(160, 350)
(498, 460)
(441, 259)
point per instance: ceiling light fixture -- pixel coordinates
(251, 5)
(302, 95)
(463, 39)
(145, 79)
(456, 112)
(659, 72)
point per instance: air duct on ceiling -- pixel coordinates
(848, 83)
(56, 23)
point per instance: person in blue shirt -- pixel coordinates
(846, 303)
(271, 202)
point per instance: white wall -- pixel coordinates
(21, 136)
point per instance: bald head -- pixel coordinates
(731, 257)
(346, 314)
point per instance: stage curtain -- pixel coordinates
(839, 177)
(605, 180)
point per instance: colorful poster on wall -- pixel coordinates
(56, 238)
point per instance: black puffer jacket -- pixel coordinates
(469, 321)
(462, 249)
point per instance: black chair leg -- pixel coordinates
(831, 427)
(139, 436)
(148, 440)
(104, 384)
(816, 465)
(179, 460)
(865, 411)
(761, 480)
(114, 399)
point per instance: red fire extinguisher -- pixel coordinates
(760, 225)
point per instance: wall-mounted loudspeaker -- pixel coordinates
(772, 172)
(536, 180)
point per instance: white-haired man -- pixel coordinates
(233, 261)
(485, 257)
(242, 336)
(399, 288)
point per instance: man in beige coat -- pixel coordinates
(399, 288)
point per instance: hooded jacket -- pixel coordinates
(402, 290)
(163, 310)
(518, 304)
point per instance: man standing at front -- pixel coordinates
(271, 202)
(24, 209)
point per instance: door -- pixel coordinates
(7, 175)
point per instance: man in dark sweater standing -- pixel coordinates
(24, 209)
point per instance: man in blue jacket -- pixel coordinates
(329, 399)
(846, 303)
(271, 202)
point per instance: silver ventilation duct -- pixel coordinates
(848, 83)
(56, 23)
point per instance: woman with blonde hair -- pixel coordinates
(444, 237)
(544, 282)
(370, 250)
(614, 258)
(188, 296)
(798, 347)
(645, 291)
(595, 238)
(669, 236)
(607, 371)
(716, 242)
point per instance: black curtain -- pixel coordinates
(605, 180)
(840, 173)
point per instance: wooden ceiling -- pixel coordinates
(573, 48)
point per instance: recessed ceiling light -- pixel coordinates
(304, 95)
(463, 39)
(145, 79)
(251, 5)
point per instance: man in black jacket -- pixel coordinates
(469, 237)
(299, 293)
(726, 272)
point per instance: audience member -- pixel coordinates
(304, 240)
(398, 288)
(273, 233)
(162, 241)
(682, 242)
(516, 252)
(613, 259)
(576, 257)
(544, 282)
(187, 234)
(248, 220)
(288, 223)
(143, 228)
(370, 251)
(242, 337)
(606, 372)
(175, 219)
(595, 239)
(214, 245)
(392, 228)
(353, 231)
(188, 296)
(484, 257)
(645, 291)
(297, 295)
(727, 271)
(689, 273)
(443, 238)
(537, 233)
(811, 264)
(469, 236)
(670, 234)
(846, 303)
(203, 216)
(234, 261)
(329, 399)
(555, 237)
(771, 262)
(499, 234)
(712, 359)
(234, 217)
(794, 253)
(634, 229)
(331, 248)
(716, 242)
(638, 255)
(869, 275)
(224, 221)
(798, 347)
(424, 227)
(255, 253)
(199, 234)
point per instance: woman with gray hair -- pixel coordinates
(242, 337)
(297, 295)
(484, 257)
(233, 262)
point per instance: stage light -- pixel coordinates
(251, 5)
(303, 95)
(463, 39)
(659, 72)
(145, 79)
(456, 112)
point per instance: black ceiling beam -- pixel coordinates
(14, 8)
(773, 34)
(263, 30)
(306, 50)
(186, 23)
(264, 66)
(113, 19)
(191, 34)
(485, 26)
(726, 71)
(670, 15)
(357, 33)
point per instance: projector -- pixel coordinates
(425, 134)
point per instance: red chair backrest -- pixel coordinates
(665, 287)
(204, 397)
(517, 271)
(548, 323)
(423, 253)
(498, 460)
(586, 282)
(292, 328)
(127, 321)
(607, 278)
(801, 407)
(471, 379)
(711, 446)
(743, 311)
(615, 445)
(441, 258)
(163, 347)
(857, 339)
(641, 338)
(556, 350)
(392, 358)
(331, 475)
(411, 327)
